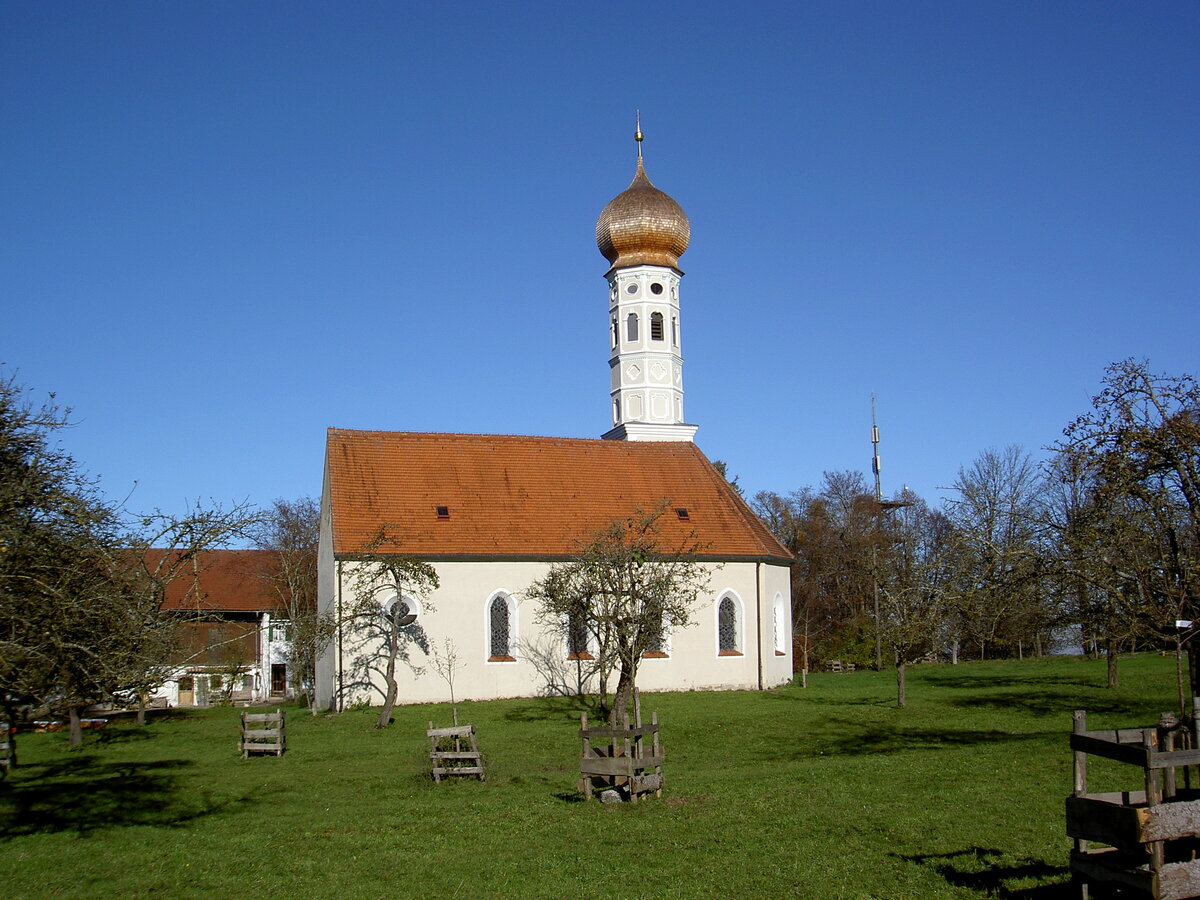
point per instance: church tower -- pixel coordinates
(642, 233)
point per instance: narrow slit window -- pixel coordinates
(656, 326)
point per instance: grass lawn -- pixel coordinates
(825, 792)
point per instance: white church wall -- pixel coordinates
(458, 612)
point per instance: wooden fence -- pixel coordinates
(627, 760)
(454, 751)
(263, 733)
(1150, 833)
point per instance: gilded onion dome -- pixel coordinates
(642, 226)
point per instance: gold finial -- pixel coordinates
(637, 134)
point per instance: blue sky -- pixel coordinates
(226, 226)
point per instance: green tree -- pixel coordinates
(1135, 542)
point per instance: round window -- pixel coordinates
(632, 289)
(656, 288)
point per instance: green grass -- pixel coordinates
(828, 792)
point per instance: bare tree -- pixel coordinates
(1000, 548)
(627, 587)
(388, 589)
(913, 578)
(290, 530)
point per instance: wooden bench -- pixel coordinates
(263, 733)
(836, 665)
(463, 759)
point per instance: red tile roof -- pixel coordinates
(527, 497)
(228, 581)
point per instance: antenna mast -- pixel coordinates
(875, 452)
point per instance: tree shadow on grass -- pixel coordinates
(994, 873)
(83, 795)
(551, 709)
(957, 677)
(848, 738)
(1051, 702)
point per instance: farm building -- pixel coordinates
(233, 636)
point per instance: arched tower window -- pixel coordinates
(616, 332)
(500, 630)
(631, 327)
(656, 326)
(674, 331)
(729, 630)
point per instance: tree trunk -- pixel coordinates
(1110, 649)
(901, 684)
(1179, 677)
(76, 728)
(141, 716)
(389, 699)
(954, 653)
(618, 716)
(10, 722)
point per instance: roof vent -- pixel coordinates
(443, 512)
(683, 514)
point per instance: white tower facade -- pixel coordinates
(642, 232)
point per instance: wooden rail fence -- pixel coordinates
(627, 760)
(454, 751)
(1150, 833)
(263, 733)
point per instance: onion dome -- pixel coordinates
(642, 226)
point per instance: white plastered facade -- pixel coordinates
(458, 612)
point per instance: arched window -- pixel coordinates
(729, 628)
(656, 326)
(674, 331)
(577, 638)
(616, 332)
(658, 647)
(779, 625)
(500, 629)
(631, 327)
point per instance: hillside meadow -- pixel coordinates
(823, 792)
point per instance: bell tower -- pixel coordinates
(642, 233)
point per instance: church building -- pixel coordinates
(492, 513)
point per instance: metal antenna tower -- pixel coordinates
(875, 452)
